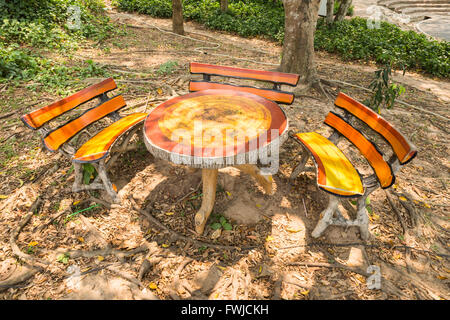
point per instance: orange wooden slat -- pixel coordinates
(277, 77)
(38, 117)
(404, 150)
(281, 97)
(62, 134)
(335, 173)
(382, 169)
(98, 146)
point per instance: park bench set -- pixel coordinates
(226, 107)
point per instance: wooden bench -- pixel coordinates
(275, 78)
(337, 176)
(100, 146)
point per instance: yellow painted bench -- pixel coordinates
(337, 176)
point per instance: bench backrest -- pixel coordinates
(39, 117)
(381, 167)
(277, 78)
(403, 149)
(53, 139)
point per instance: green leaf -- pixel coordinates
(222, 220)
(88, 171)
(63, 258)
(227, 226)
(216, 226)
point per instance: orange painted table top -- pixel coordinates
(215, 128)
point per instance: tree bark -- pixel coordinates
(177, 17)
(224, 5)
(298, 45)
(330, 11)
(342, 11)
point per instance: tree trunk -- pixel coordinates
(330, 11)
(177, 17)
(342, 11)
(224, 5)
(298, 45)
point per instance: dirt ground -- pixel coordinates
(145, 248)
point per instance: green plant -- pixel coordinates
(221, 222)
(63, 258)
(89, 173)
(167, 68)
(368, 206)
(384, 90)
(34, 24)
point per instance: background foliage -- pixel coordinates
(351, 38)
(27, 28)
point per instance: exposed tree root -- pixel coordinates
(15, 233)
(17, 277)
(176, 278)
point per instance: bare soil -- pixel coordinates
(121, 254)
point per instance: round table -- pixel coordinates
(213, 129)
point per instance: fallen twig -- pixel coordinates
(397, 212)
(6, 115)
(105, 252)
(189, 193)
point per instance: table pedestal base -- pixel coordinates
(209, 180)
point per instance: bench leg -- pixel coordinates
(361, 221)
(107, 185)
(326, 216)
(362, 216)
(102, 182)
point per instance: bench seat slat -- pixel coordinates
(276, 77)
(335, 173)
(62, 134)
(37, 118)
(98, 146)
(404, 150)
(277, 96)
(375, 158)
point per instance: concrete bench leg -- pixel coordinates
(102, 181)
(326, 217)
